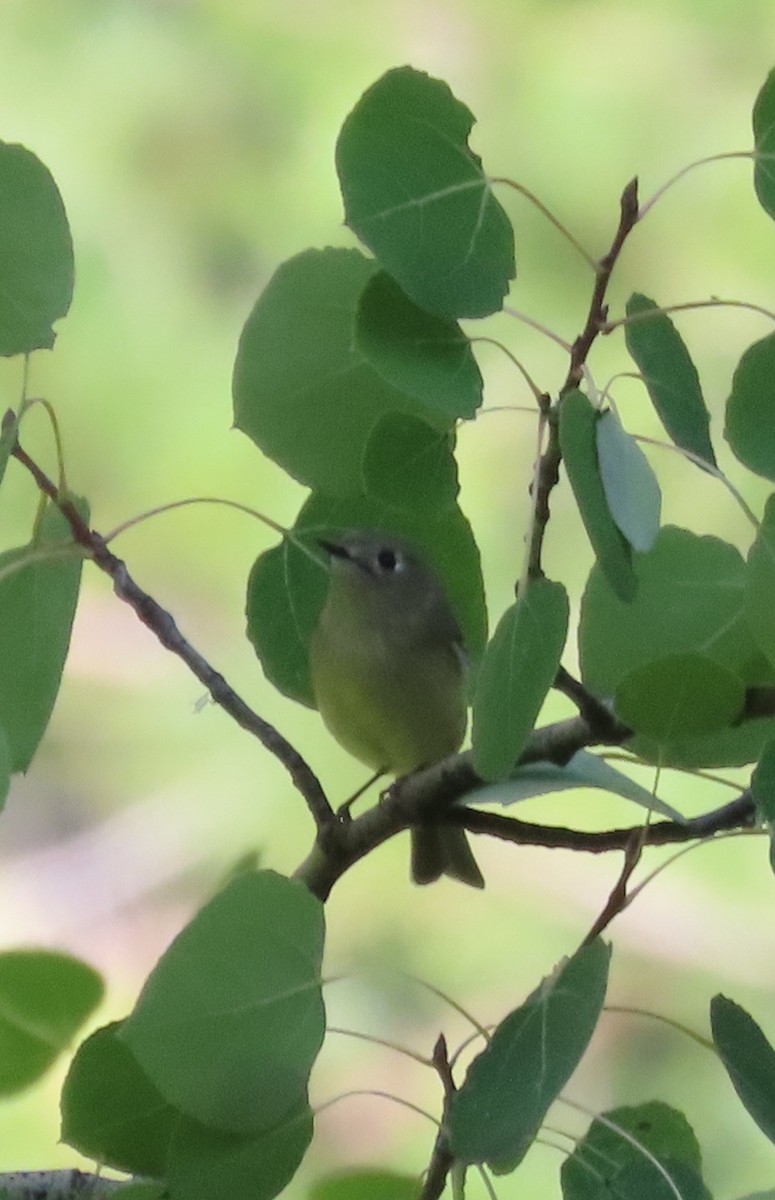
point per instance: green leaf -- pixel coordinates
(44, 999)
(416, 195)
(365, 1185)
(749, 1060)
(208, 1164)
(679, 695)
(286, 591)
(37, 607)
(409, 465)
(691, 597)
(749, 412)
(231, 1018)
(760, 583)
(763, 784)
(302, 392)
(631, 489)
(422, 355)
(285, 594)
(36, 253)
(582, 770)
(607, 1162)
(670, 376)
(749, 408)
(578, 442)
(519, 667)
(764, 145)
(111, 1111)
(495, 1115)
(5, 766)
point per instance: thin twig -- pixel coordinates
(163, 625)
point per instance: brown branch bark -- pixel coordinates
(162, 624)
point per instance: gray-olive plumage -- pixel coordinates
(388, 672)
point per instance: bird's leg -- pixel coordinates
(343, 812)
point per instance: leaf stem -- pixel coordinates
(647, 206)
(555, 221)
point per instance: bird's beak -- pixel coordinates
(335, 549)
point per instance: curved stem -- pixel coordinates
(555, 221)
(700, 162)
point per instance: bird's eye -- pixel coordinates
(387, 559)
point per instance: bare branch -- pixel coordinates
(162, 624)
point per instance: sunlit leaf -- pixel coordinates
(749, 1060)
(8, 434)
(44, 1000)
(302, 391)
(583, 770)
(497, 1112)
(578, 442)
(36, 253)
(418, 353)
(630, 485)
(231, 1018)
(416, 195)
(670, 376)
(357, 1184)
(519, 667)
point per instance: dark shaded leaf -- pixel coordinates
(519, 667)
(608, 1164)
(495, 1115)
(670, 376)
(749, 1060)
(420, 354)
(208, 1164)
(679, 695)
(36, 253)
(764, 144)
(409, 465)
(111, 1111)
(750, 407)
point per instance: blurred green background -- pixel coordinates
(193, 145)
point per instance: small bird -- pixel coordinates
(388, 673)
